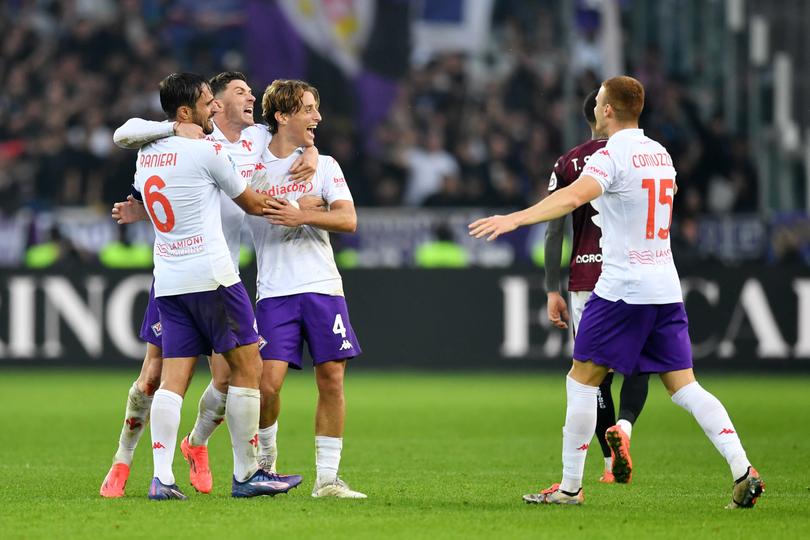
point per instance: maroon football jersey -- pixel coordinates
(586, 253)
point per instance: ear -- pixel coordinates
(184, 113)
(281, 118)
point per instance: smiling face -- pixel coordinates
(301, 125)
(236, 101)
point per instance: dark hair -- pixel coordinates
(588, 106)
(220, 81)
(626, 96)
(178, 90)
(286, 97)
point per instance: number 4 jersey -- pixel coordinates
(180, 181)
(638, 184)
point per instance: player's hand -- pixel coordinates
(493, 226)
(303, 168)
(188, 130)
(557, 310)
(312, 202)
(281, 212)
(129, 211)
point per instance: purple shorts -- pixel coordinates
(151, 330)
(195, 323)
(285, 322)
(634, 338)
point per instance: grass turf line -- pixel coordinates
(440, 456)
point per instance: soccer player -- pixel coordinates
(202, 303)
(236, 131)
(635, 320)
(300, 292)
(586, 264)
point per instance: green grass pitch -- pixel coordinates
(440, 456)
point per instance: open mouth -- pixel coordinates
(248, 110)
(311, 129)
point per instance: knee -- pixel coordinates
(269, 389)
(330, 382)
(149, 381)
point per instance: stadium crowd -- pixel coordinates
(76, 70)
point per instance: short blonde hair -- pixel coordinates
(626, 96)
(286, 97)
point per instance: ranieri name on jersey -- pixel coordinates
(168, 159)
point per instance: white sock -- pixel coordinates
(210, 414)
(327, 458)
(713, 418)
(267, 444)
(580, 424)
(626, 426)
(166, 407)
(608, 463)
(242, 412)
(135, 419)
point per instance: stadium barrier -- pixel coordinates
(746, 317)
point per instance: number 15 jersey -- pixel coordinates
(180, 181)
(638, 183)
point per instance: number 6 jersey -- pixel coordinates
(180, 181)
(638, 184)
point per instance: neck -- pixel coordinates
(595, 135)
(619, 126)
(281, 146)
(231, 130)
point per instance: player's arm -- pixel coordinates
(303, 169)
(137, 132)
(251, 202)
(555, 306)
(558, 204)
(129, 211)
(341, 216)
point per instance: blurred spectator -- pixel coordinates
(462, 131)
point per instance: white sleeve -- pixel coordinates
(222, 169)
(602, 168)
(137, 132)
(335, 187)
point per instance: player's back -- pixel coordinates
(638, 179)
(586, 255)
(176, 177)
(293, 260)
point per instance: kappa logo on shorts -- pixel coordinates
(346, 345)
(262, 342)
(157, 329)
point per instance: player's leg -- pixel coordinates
(273, 374)
(605, 410)
(139, 401)
(605, 418)
(581, 385)
(610, 335)
(331, 341)
(670, 352)
(165, 413)
(235, 325)
(281, 345)
(712, 416)
(633, 396)
(210, 414)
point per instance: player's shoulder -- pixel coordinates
(582, 150)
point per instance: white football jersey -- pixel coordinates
(294, 260)
(180, 181)
(246, 153)
(638, 184)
